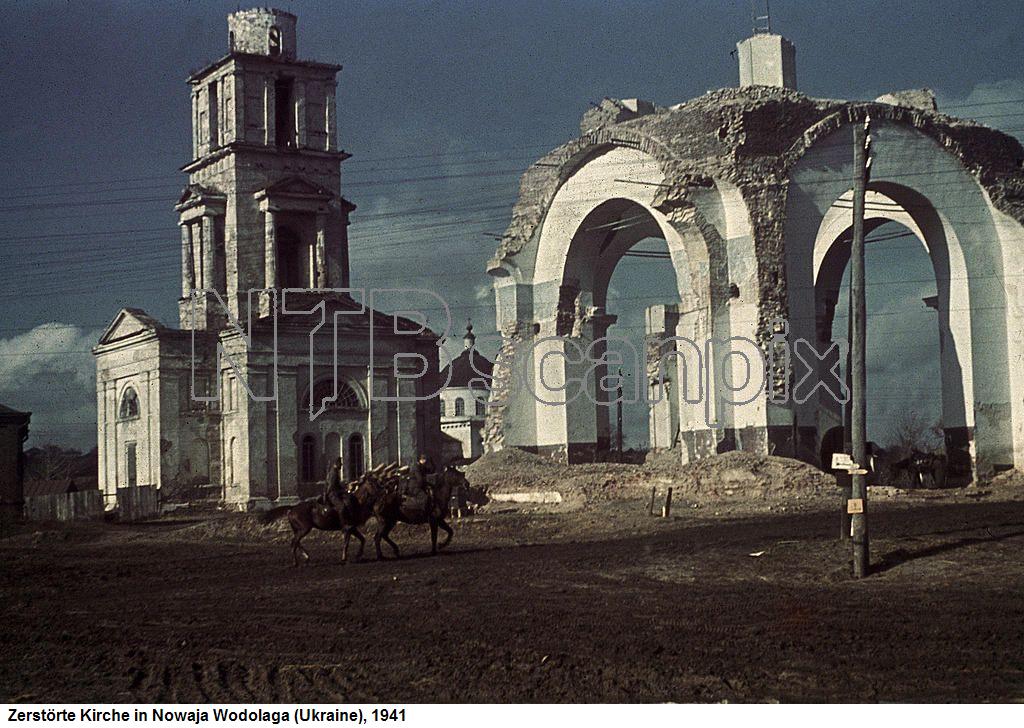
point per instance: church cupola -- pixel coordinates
(262, 32)
(469, 339)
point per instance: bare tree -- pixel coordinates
(911, 431)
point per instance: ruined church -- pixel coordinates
(239, 400)
(750, 189)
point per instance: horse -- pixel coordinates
(357, 507)
(918, 464)
(430, 507)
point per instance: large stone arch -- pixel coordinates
(612, 198)
(746, 178)
(925, 186)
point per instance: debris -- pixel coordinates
(757, 553)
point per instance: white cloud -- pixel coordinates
(49, 371)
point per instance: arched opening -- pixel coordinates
(622, 287)
(129, 407)
(460, 407)
(643, 299)
(904, 396)
(356, 466)
(917, 397)
(307, 459)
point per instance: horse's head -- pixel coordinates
(476, 495)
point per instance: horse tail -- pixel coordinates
(275, 514)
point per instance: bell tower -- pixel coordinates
(263, 206)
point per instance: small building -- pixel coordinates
(464, 401)
(13, 433)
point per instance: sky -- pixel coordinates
(96, 125)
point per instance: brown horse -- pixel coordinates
(356, 509)
(430, 507)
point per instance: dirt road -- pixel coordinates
(603, 604)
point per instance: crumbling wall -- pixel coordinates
(751, 137)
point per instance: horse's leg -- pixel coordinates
(448, 533)
(362, 543)
(300, 533)
(377, 537)
(344, 548)
(384, 535)
(433, 536)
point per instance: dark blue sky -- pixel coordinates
(96, 124)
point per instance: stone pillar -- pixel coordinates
(188, 281)
(270, 249)
(329, 117)
(300, 114)
(196, 151)
(209, 253)
(320, 252)
(286, 409)
(238, 99)
(269, 102)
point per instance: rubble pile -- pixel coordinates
(734, 474)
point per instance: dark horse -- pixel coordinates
(430, 507)
(357, 507)
(918, 464)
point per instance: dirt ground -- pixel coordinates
(599, 602)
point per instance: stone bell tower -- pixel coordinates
(263, 207)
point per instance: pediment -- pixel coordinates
(130, 322)
(296, 186)
(194, 195)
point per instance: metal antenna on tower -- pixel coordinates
(762, 23)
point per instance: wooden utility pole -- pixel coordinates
(857, 505)
(618, 418)
(843, 478)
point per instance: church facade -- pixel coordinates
(242, 399)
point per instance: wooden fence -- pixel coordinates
(65, 506)
(135, 504)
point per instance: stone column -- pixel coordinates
(320, 252)
(300, 114)
(209, 253)
(188, 281)
(329, 117)
(238, 99)
(269, 101)
(270, 249)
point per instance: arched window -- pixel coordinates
(129, 405)
(307, 459)
(481, 408)
(460, 407)
(274, 41)
(347, 399)
(355, 456)
(442, 408)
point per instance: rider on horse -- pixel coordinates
(421, 474)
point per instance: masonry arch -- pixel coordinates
(604, 209)
(925, 188)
